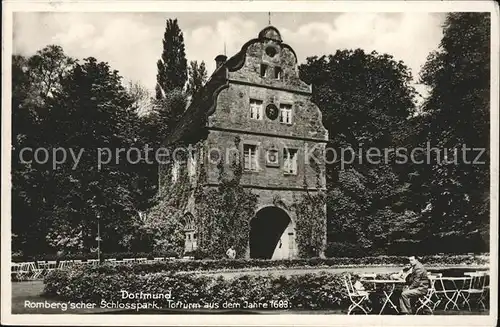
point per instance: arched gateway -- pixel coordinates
(271, 234)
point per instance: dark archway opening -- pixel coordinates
(266, 229)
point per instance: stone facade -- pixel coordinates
(257, 98)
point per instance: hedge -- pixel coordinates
(316, 291)
(241, 264)
(309, 291)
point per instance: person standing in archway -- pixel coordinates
(231, 252)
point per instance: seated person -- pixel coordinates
(358, 286)
(360, 289)
(417, 284)
(403, 274)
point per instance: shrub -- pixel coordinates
(340, 249)
(309, 291)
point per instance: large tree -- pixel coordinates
(172, 67)
(35, 80)
(458, 108)
(85, 108)
(366, 99)
(197, 77)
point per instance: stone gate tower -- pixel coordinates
(257, 95)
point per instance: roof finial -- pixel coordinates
(269, 16)
(224, 47)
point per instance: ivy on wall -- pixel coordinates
(224, 212)
(165, 223)
(310, 224)
(310, 221)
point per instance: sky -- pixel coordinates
(132, 42)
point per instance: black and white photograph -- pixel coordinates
(285, 163)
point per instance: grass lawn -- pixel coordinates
(32, 291)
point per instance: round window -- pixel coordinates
(271, 51)
(272, 112)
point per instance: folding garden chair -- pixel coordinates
(62, 264)
(93, 262)
(485, 296)
(426, 301)
(51, 266)
(15, 269)
(476, 289)
(442, 294)
(25, 270)
(38, 270)
(357, 297)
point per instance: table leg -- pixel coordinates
(458, 293)
(452, 298)
(388, 299)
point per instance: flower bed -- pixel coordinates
(244, 265)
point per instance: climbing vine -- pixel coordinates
(224, 211)
(310, 222)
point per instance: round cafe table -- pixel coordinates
(387, 291)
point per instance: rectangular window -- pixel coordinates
(250, 157)
(290, 161)
(175, 171)
(277, 72)
(286, 113)
(263, 70)
(256, 111)
(192, 165)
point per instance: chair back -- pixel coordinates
(437, 283)
(348, 284)
(93, 262)
(487, 279)
(477, 281)
(15, 267)
(63, 264)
